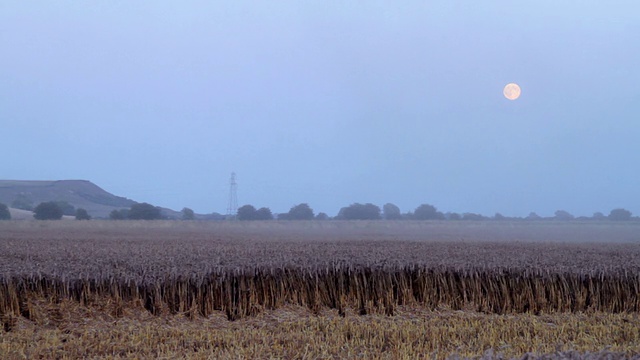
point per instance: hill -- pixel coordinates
(18, 214)
(79, 193)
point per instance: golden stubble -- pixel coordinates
(70, 330)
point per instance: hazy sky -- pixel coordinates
(328, 102)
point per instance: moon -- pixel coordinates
(511, 91)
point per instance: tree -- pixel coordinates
(188, 214)
(499, 217)
(620, 215)
(391, 212)
(144, 211)
(67, 209)
(472, 217)
(246, 212)
(533, 216)
(263, 213)
(598, 216)
(47, 211)
(359, 212)
(82, 214)
(322, 216)
(5, 214)
(299, 212)
(453, 216)
(563, 215)
(427, 212)
(121, 214)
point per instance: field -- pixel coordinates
(332, 289)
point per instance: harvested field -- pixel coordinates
(73, 331)
(367, 270)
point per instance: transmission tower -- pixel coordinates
(232, 208)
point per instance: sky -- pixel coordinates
(328, 102)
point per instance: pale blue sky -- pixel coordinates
(328, 102)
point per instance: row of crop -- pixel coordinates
(366, 290)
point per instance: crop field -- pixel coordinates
(319, 289)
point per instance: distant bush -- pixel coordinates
(499, 217)
(248, 212)
(188, 214)
(620, 215)
(298, 212)
(453, 216)
(122, 214)
(472, 217)
(533, 216)
(5, 214)
(359, 211)
(264, 213)
(144, 211)
(48, 211)
(82, 214)
(427, 212)
(391, 212)
(322, 216)
(563, 215)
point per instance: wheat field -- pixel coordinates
(274, 289)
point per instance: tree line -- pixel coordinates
(389, 211)
(55, 210)
(49, 210)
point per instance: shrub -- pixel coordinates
(47, 211)
(299, 212)
(453, 216)
(391, 212)
(144, 211)
(427, 212)
(533, 216)
(5, 214)
(121, 214)
(322, 216)
(472, 217)
(188, 214)
(82, 214)
(620, 215)
(563, 215)
(359, 212)
(246, 212)
(263, 213)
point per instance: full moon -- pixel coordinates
(511, 91)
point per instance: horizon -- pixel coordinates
(328, 103)
(531, 216)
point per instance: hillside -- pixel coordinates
(17, 214)
(79, 193)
